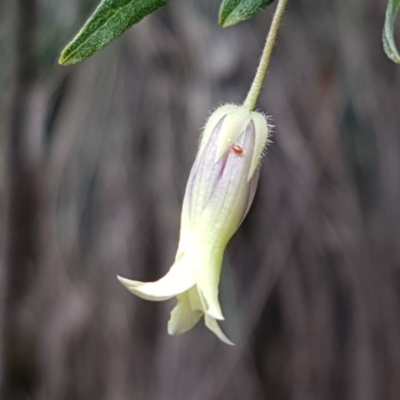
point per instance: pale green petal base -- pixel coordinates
(183, 317)
(207, 281)
(188, 312)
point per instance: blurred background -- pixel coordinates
(94, 160)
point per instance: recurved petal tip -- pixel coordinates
(147, 291)
(212, 324)
(178, 279)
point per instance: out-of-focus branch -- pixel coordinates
(21, 213)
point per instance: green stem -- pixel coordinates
(258, 81)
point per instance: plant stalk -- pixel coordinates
(262, 69)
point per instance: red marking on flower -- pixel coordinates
(237, 149)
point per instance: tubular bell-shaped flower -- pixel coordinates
(219, 193)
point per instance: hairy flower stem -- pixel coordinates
(258, 81)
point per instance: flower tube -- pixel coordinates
(219, 193)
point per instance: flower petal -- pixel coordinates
(261, 130)
(213, 326)
(253, 183)
(215, 117)
(203, 176)
(178, 279)
(233, 126)
(228, 201)
(183, 317)
(207, 280)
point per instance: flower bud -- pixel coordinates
(219, 193)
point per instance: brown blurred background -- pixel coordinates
(94, 160)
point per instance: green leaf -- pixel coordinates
(232, 12)
(109, 20)
(388, 31)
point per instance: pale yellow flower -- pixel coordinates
(218, 195)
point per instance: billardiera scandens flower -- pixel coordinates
(219, 193)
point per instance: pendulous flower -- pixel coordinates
(219, 193)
